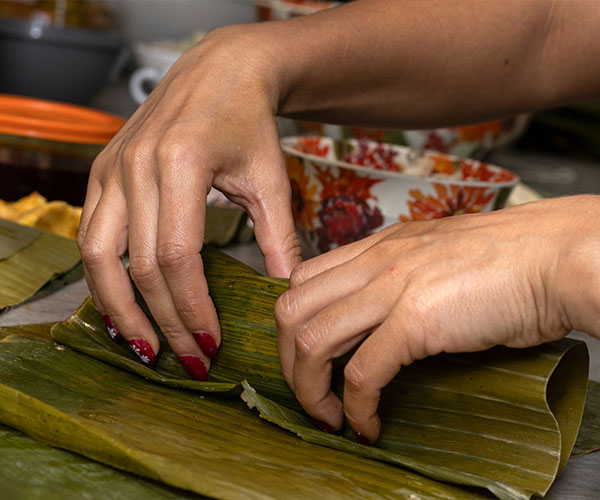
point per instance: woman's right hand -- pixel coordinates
(210, 122)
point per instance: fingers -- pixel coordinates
(374, 365)
(102, 247)
(317, 265)
(179, 241)
(91, 202)
(147, 274)
(299, 305)
(329, 335)
(274, 226)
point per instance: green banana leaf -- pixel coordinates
(214, 447)
(588, 439)
(72, 275)
(29, 469)
(14, 237)
(224, 225)
(502, 419)
(34, 471)
(27, 271)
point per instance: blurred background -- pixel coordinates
(108, 55)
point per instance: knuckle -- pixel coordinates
(308, 342)
(355, 376)
(299, 275)
(81, 237)
(171, 256)
(93, 251)
(189, 305)
(174, 147)
(382, 250)
(136, 153)
(173, 333)
(286, 308)
(144, 269)
(416, 304)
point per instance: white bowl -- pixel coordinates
(345, 190)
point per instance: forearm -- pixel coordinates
(414, 64)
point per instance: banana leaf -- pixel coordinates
(588, 439)
(15, 237)
(502, 419)
(214, 447)
(60, 281)
(27, 271)
(224, 225)
(35, 471)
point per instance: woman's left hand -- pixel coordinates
(514, 277)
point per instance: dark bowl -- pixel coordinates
(61, 64)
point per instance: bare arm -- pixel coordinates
(211, 122)
(416, 64)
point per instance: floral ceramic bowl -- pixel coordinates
(474, 141)
(272, 10)
(345, 190)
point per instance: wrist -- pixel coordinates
(241, 58)
(578, 266)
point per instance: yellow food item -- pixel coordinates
(12, 210)
(36, 211)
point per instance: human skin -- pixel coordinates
(410, 291)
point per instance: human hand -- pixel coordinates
(210, 121)
(517, 277)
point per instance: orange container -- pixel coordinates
(49, 147)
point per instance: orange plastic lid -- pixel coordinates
(30, 117)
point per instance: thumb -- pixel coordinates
(274, 228)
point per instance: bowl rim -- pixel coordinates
(286, 146)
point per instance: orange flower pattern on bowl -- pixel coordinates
(343, 191)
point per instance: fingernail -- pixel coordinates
(143, 349)
(361, 439)
(207, 343)
(113, 331)
(324, 426)
(195, 367)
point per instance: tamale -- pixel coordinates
(502, 419)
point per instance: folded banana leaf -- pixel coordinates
(15, 237)
(214, 447)
(29, 469)
(29, 269)
(34, 471)
(504, 419)
(588, 439)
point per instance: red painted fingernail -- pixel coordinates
(324, 426)
(195, 367)
(113, 331)
(143, 349)
(361, 439)
(207, 343)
